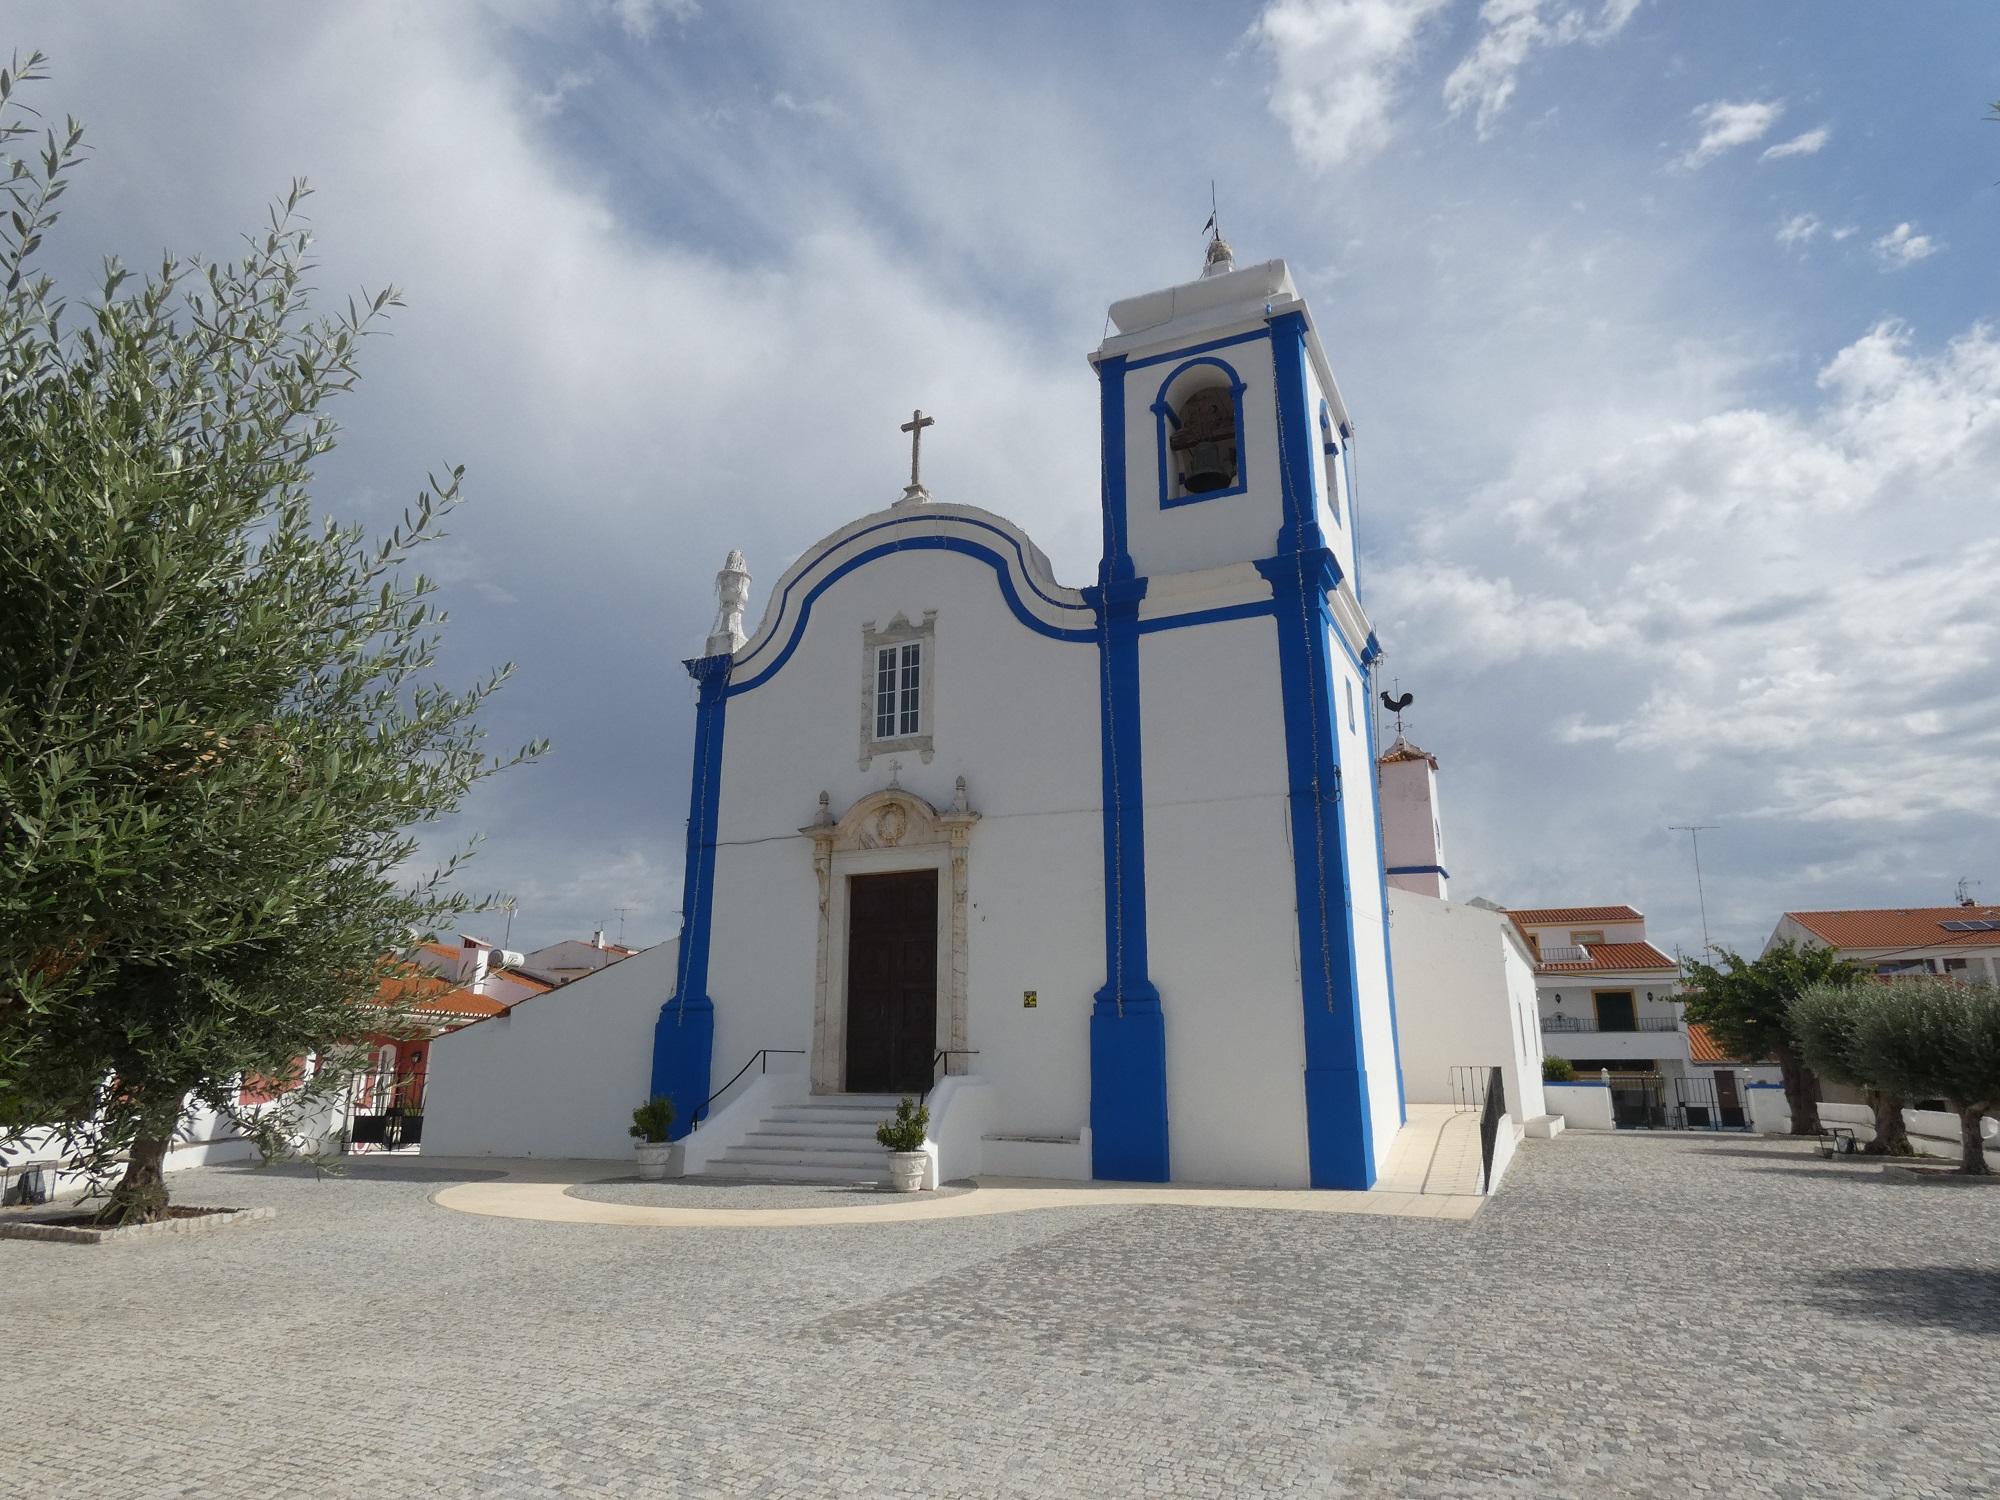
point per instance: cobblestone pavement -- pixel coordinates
(1629, 1316)
(719, 1192)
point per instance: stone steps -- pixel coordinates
(824, 1140)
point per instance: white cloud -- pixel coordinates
(1338, 66)
(1484, 80)
(1799, 145)
(641, 18)
(1727, 126)
(1903, 246)
(1800, 229)
(1795, 607)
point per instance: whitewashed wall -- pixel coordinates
(559, 1076)
(1465, 997)
(1016, 714)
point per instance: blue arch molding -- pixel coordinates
(1164, 414)
(684, 1036)
(958, 544)
(1128, 1038)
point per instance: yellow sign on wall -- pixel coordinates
(1028, 1001)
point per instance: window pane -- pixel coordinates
(885, 693)
(912, 681)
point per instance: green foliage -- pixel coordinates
(1557, 1070)
(1932, 1037)
(217, 720)
(907, 1131)
(1825, 1020)
(1746, 1002)
(652, 1120)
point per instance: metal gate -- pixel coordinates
(386, 1110)
(1638, 1101)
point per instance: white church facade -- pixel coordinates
(1101, 867)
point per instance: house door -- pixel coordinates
(1728, 1103)
(1615, 1011)
(891, 982)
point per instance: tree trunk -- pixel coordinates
(1801, 1093)
(1971, 1144)
(141, 1194)
(1891, 1138)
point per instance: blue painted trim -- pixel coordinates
(1301, 530)
(1418, 870)
(1163, 413)
(1251, 611)
(798, 575)
(1340, 1129)
(1213, 344)
(1128, 1037)
(684, 1035)
(914, 544)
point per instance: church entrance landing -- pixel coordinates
(892, 989)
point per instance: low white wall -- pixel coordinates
(1465, 997)
(961, 1108)
(1768, 1111)
(1029, 1156)
(559, 1076)
(1583, 1106)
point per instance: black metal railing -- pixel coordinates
(761, 1061)
(942, 1059)
(1489, 1126)
(1468, 1088)
(1588, 1023)
(386, 1109)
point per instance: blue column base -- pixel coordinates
(1128, 1093)
(683, 1056)
(1340, 1132)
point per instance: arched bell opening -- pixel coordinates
(1200, 412)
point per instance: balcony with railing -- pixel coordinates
(1551, 953)
(1589, 1023)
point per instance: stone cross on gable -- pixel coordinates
(916, 492)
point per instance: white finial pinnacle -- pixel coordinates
(732, 591)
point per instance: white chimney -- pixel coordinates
(1412, 834)
(597, 938)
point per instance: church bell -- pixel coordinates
(1207, 438)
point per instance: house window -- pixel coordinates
(1349, 684)
(1587, 939)
(899, 697)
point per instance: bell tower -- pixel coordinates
(1238, 762)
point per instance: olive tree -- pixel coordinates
(1746, 1004)
(1929, 1036)
(1826, 1020)
(219, 722)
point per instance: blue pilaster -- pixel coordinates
(1128, 1039)
(1339, 1129)
(684, 1036)
(1298, 449)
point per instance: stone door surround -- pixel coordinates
(892, 829)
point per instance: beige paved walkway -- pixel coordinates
(1426, 1179)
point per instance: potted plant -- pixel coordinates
(650, 1123)
(904, 1136)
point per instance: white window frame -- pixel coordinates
(897, 635)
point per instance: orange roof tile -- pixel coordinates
(1908, 927)
(1615, 956)
(1553, 916)
(1702, 1047)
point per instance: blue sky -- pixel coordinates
(1664, 326)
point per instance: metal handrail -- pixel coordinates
(762, 1057)
(942, 1055)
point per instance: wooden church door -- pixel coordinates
(891, 982)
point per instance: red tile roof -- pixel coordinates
(1554, 916)
(1619, 956)
(1702, 1047)
(1910, 927)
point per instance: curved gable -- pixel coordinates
(1021, 573)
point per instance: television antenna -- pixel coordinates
(621, 910)
(1966, 886)
(1694, 831)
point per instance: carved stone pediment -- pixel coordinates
(891, 819)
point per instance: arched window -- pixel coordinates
(1329, 443)
(1200, 415)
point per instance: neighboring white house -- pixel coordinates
(1959, 942)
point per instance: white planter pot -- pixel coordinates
(906, 1170)
(660, 1161)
